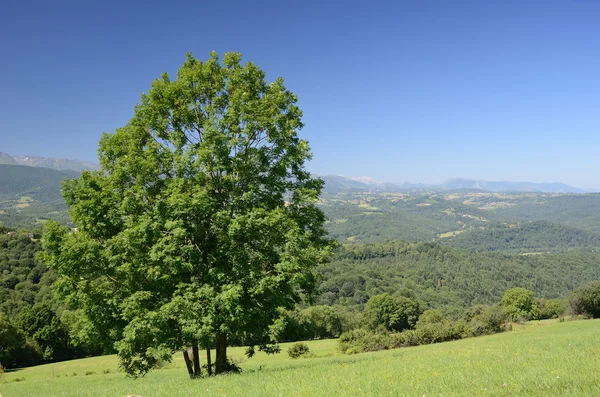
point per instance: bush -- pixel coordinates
(432, 327)
(298, 350)
(363, 340)
(551, 308)
(488, 320)
(585, 301)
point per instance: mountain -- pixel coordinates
(5, 158)
(48, 162)
(37, 183)
(338, 184)
(366, 180)
(503, 186)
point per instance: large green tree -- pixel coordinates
(201, 223)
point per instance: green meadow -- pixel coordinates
(547, 358)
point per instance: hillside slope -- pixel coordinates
(31, 193)
(531, 236)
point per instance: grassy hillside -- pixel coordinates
(547, 358)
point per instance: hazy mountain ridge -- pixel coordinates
(48, 162)
(337, 183)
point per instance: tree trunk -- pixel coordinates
(188, 363)
(221, 360)
(208, 361)
(196, 360)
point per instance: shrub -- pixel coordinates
(362, 340)
(298, 350)
(585, 301)
(432, 327)
(551, 308)
(488, 320)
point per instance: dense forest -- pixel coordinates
(41, 328)
(448, 278)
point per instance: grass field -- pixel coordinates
(542, 359)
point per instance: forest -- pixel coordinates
(452, 280)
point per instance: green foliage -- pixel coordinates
(392, 312)
(552, 308)
(202, 223)
(432, 327)
(45, 329)
(362, 340)
(519, 304)
(486, 320)
(586, 300)
(298, 350)
(316, 322)
(449, 279)
(12, 343)
(525, 237)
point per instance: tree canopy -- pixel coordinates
(201, 224)
(519, 303)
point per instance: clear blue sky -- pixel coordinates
(406, 90)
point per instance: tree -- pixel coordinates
(393, 312)
(12, 343)
(46, 331)
(519, 303)
(201, 223)
(586, 300)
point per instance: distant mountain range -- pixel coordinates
(337, 183)
(334, 183)
(48, 162)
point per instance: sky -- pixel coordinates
(418, 91)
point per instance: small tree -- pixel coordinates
(201, 223)
(519, 303)
(586, 300)
(392, 312)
